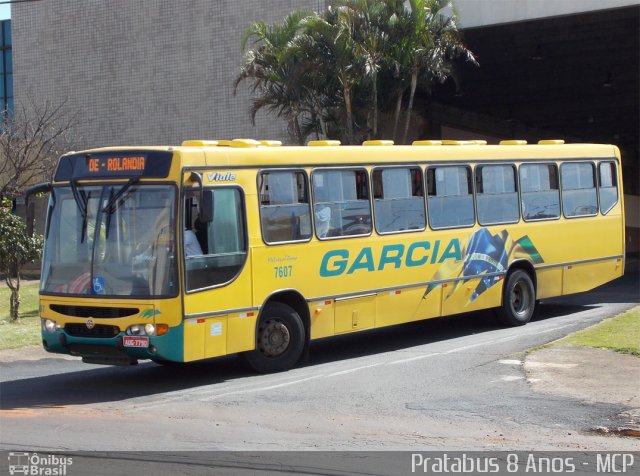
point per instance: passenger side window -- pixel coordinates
(223, 242)
(341, 202)
(608, 186)
(496, 194)
(398, 199)
(450, 197)
(285, 212)
(540, 191)
(579, 196)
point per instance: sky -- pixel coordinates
(5, 12)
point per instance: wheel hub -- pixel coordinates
(274, 338)
(519, 299)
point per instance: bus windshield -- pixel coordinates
(111, 240)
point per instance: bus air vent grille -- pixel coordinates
(94, 311)
(98, 331)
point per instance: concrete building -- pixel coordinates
(6, 66)
(144, 71)
(161, 71)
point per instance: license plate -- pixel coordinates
(135, 341)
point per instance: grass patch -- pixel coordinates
(620, 334)
(26, 331)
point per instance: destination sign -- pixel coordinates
(120, 164)
(115, 164)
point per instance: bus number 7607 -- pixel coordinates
(283, 271)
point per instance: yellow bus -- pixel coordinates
(178, 254)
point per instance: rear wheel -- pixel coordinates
(518, 299)
(280, 339)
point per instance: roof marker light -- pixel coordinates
(200, 143)
(377, 142)
(551, 142)
(244, 143)
(271, 143)
(323, 143)
(464, 142)
(426, 142)
(513, 142)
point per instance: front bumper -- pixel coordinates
(111, 351)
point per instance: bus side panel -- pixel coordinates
(471, 295)
(241, 332)
(322, 318)
(194, 330)
(395, 307)
(549, 282)
(216, 333)
(354, 314)
(586, 276)
(598, 238)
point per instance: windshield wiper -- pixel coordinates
(112, 204)
(52, 196)
(81, 199)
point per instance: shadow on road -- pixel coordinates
(107, 384)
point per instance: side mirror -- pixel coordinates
(205, 214)
(36, 189)
(205, 201)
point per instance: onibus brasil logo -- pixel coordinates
(38, 465)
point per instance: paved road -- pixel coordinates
(440, 384)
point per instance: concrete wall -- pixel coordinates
(144, 71)
(489, 12)
(632, 222)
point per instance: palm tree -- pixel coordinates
(321, 72)
(317, 79)
(398, 59)
(335, 36)
(273, 67)
(434, 42)
(370, 18)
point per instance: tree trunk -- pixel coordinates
(412, 92)
(297, 131)
(14, 300)
(375, 104)
(349, 110)
(323, 124)
(396, 114)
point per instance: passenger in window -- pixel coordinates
(323, 218)
(191, 244)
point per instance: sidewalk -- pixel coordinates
(591, 375)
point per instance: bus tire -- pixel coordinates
(518, 299)
(280, 339)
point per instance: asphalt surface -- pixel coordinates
(443, 384)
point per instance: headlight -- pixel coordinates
(49, 325)
(142, 330)
(136, 330)
(147, 329)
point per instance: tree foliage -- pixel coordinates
(32, 138)
(16, 250)
(333, 73)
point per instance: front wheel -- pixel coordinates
(518, 299)
(280, 339)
